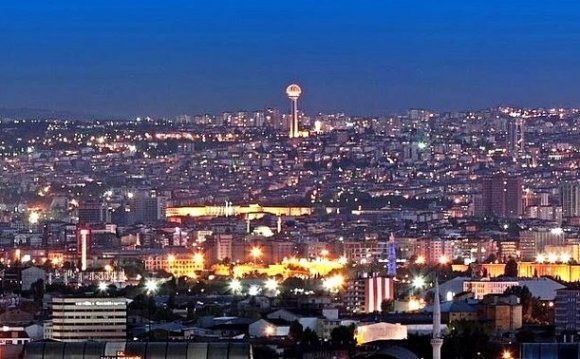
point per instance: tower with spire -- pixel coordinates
(392, 257)
(436, 340)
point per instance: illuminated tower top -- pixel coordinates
(293, 91)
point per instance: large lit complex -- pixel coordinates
(81, 319)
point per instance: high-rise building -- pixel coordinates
(570, 199)
(293, 91)
(218, 247)
(435, 250)
(366, 292)
(91, 211)
(147, 207)
(515, 136)
(566, 314)
(534, 241)
(87, 319)
(501, 196)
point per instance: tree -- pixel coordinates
(492, 258)
(292, 283)
(296, 330)
(310, 338)
(468, 339)
(511, 268)
(37, 289)
(387, 305)
(343, 336)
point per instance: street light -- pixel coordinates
(506, 354)
(103, 287)
(334, 283)
(235, 286)
(151, 286)
(254, 290)
(256, 253)
(269, 330)
(198, 259)
(271, 285)
(418, 282)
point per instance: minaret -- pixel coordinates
(392, 257)
(437, 340)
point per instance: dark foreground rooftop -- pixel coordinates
(168, 350)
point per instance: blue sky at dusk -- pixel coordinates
(363, 57)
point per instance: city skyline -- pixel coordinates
(306, 179)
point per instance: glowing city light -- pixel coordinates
(540, 258)
(443, 259)
(269, 330)
(506, 354)
(420, 260)
(557, 231)
(171, 258)
(418, 282)
(324, 253)
(342, 260)
(33, 217)
(565, 257)
(254, 290)
(256, 252)
(103, 286)
(271, 284)
(235, 286)
(198, 259)
(334, 283)
(552, 257)
(416, 304)
(151, 285)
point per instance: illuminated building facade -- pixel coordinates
(178, 264)
(533, 242)
(83, 319)
(361, 251)
(435, 250)
(481, 288)
(252, 210)
(564, 271)
(366, 293)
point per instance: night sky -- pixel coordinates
(167, 57)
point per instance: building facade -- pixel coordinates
(87, 319)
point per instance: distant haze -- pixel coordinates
(361, 56)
